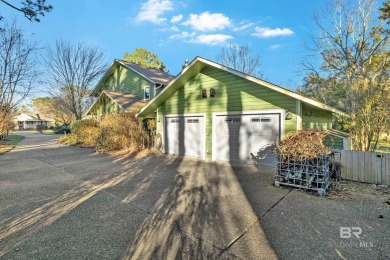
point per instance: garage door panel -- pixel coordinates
(184, 135)
(241, 137)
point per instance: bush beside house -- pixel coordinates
(115, 132)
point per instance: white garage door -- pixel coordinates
(184, 135)
(241, 137)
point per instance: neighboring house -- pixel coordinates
(28, 121)
(126, 85)
(216, 113)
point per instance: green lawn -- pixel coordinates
(383, 148)
(9, 143)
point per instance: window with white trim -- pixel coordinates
(147, 92)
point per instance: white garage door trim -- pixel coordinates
(270, 111)
(164, 118)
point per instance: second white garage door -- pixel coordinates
(241, 137)
(184, 135)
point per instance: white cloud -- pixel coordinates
(211, 39)
(208, 22)
(265, 32)
(182, 35)
(275, 46)
(176, 18)
(152, 10)
(242, 26)
(172, 28)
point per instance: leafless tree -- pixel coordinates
(240, 58)
(72, 69)
(17, 66)
(352, 46)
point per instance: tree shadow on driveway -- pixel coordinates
(202, 215)
(17, 228)
(193, 209)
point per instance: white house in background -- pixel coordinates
(27, 121)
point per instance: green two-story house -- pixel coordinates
(125, 86)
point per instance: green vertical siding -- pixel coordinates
(316, 118)
(124, 80)
(333, 141)
(105, 105)
(128, 81)
(233, 93)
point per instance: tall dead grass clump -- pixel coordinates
(121, 131)
(84, 133)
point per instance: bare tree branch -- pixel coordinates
(240, 58)
(17, 66)
(72, 69)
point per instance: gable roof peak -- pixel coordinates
(154, 75)
(199, 63)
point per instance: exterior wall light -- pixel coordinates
(212, 92)
(204, 93)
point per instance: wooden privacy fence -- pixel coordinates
(366, 167)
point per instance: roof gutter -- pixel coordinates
(151, 105)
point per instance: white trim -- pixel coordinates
(245, 76)
(167, 86)
(157, 123)
(86, 113)
(299, 115)
(104, 91)
(269, 85)
(137, 72)
(186, 115)
(113, 100)
(347, 143)
(150, 89)
(105, 74)
(127, 67)
(281, 112)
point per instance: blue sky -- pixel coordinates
(177, 29)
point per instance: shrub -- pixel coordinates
(61, 129)
(85, 135)
(41, 128)
(67, 139)
(80, 122)
(121, 131)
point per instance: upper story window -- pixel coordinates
(147, 92)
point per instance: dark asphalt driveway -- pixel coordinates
(60, 202)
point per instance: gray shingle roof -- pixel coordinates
(125, 100)
(155, 75)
